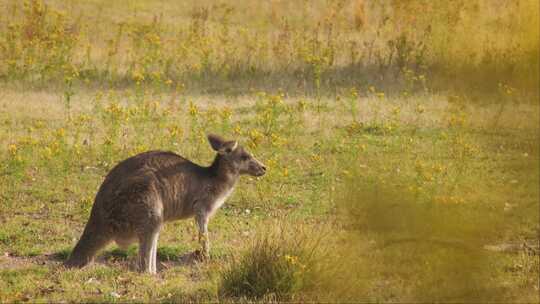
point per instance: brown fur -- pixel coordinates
(142, 192)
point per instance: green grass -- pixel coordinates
(418, 177)
(457, 173)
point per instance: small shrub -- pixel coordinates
(277, 265)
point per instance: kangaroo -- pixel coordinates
(143, 192)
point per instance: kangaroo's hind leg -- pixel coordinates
(148, 250)
(153, 255)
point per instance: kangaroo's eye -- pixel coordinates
(245, 157)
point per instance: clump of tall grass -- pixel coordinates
(398, 247)
(279, 265)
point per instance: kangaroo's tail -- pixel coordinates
(92, 240)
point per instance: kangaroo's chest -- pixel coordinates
(220, 200)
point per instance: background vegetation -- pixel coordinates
(401, 139)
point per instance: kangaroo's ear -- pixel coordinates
(220, 145)
(215, 141)
(228, 147)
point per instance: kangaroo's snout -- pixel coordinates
(257, 168)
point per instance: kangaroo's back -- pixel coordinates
(143, 164)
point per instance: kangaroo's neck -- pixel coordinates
(223, 172)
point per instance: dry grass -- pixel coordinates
(289, 45)
(400, 138)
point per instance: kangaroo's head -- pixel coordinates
(236, 156)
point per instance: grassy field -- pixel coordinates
(403, 166)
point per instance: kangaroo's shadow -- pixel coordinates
(167, 257)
